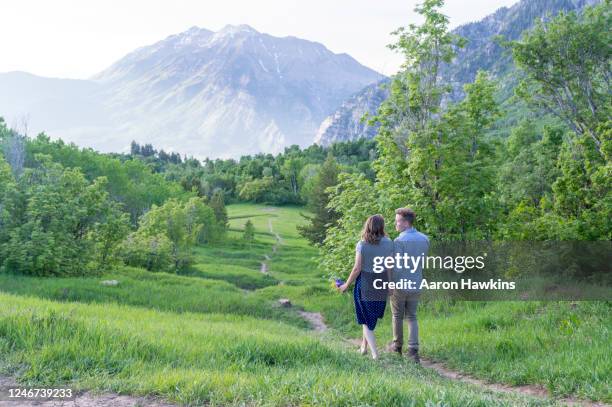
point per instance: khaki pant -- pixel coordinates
(404, 304)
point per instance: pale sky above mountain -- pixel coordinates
(78, 38)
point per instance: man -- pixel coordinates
(413, 244)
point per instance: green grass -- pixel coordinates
(214, 359)
(160, 291)
(216, 335)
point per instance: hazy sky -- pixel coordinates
(78, 38)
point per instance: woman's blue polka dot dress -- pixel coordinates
(368, 312)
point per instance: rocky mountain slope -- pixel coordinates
(481, 52)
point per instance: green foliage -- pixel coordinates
(356, 198)
(566, 67)
(282, 179)
(154, 253)
(7, 189)
(437, 161)
(166, 234)
(217, 203)
(543, 182)
(130, 182)
(59, 223)
(449, 177)
(318, 199)
(566, 63)
(258, 190)
(249, 231)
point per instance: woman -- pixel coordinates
(374, 242)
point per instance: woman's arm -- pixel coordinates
(354, 273)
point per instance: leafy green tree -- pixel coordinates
(12, 146)
(450, 169)
(530, 166)
(356, 198)
(415, 98)
(56, 220)
(256, 190)
(131, 182)
(291, 171)
(201, 223)
(7, 189)
(249, 231)
(318, 200)
(436, 160)
(566, 63)
(170, 221)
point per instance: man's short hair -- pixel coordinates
(406, 213)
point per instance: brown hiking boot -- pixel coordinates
(413, 354)
(392, 347)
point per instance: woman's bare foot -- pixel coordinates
(363, 349)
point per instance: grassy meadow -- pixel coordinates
(216, 335)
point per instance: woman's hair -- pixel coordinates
(373, 229)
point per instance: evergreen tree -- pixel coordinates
(134, 148)
(217, 203)
(318, 199)
(249, 231)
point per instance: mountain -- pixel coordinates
(481, 52)
(226, 93)
(345, 123)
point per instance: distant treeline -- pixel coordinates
(285, 178)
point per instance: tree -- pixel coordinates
(432, 157)
(217, 203)
(256, 190)
(566, 67)
(7, 189)
(291, 170)
(201, 223)
(415, 98)
(249, 231)
(134, 148)
(450, 169)
(566, 63)
(12, 145)
(356, 198)
(57, 224)
(169, 221)
(318, 200)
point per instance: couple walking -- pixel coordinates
(370, 302)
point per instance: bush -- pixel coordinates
(166, 233)
(59, 223)
(154, 253)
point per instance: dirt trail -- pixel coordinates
(279, 241)
(525, 390)
(86, 399)
(529, 390)
(318, 324)
(315, 319)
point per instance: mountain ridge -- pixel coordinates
(481, 52)
(226, 93)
